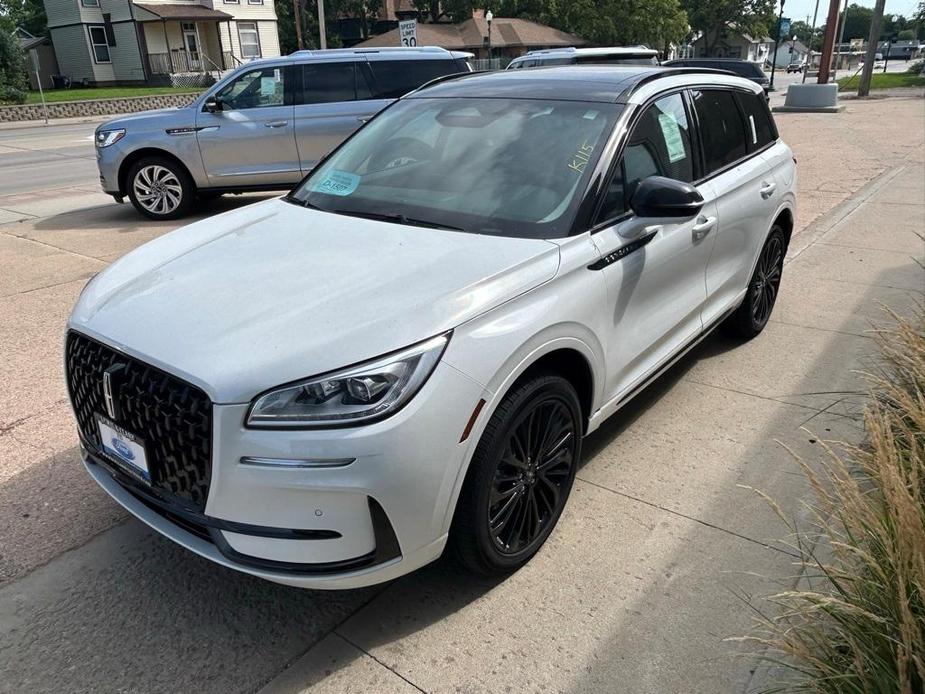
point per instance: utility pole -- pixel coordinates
(843, 19)
(828, 42)
(876, 25)
(812, 35)
(297, 15)
(780, 18)
(321, 28)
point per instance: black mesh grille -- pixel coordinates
(172, 417)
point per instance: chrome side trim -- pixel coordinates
(290, 463)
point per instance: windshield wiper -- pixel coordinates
(397, 219)
(300, 202)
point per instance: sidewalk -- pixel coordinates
(661, 545)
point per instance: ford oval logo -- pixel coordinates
(122, 449)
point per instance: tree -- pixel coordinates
(906, 35)
(14, 80)
(809, 36)
(606, 22)
(28, 14)
(713, 17)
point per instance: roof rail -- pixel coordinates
(669, 72)
(382, 49)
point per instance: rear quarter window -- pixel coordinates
(760, 130)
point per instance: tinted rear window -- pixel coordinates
(326, 82)
(395, 78)
(722, 131)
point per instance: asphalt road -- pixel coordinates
(45, 157)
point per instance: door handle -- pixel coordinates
(363, 119)
(767, 190)
(703, 226)
(276, 124)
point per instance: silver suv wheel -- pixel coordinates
(157, 189)
(160, 188)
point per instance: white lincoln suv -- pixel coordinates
(403, 354)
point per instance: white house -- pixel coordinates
(104, 42)
(734, 44)
(789, 51)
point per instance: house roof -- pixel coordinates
(472, 33)
(181, 11)
(33, 42)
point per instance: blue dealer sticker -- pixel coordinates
(337, 183)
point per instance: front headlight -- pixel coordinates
(104, 138)
(353, 395)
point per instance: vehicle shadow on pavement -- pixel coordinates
(124, 217)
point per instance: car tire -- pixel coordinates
(160, 188)
(519, 479)
(755, 310)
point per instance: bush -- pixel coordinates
(863, 629)
(916, 67)
(14, 80)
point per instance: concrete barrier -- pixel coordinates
(812, 98)
(95, 107)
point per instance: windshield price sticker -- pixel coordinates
(338, 183)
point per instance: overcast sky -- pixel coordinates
(800, 9)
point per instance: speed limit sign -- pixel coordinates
(408, 32)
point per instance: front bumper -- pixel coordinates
(108, 161)
(381, 516)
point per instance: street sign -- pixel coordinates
(408, 32)
(784, 29)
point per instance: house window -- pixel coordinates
(249, 40)
(90, 3)
(254, 2)
(99, 44)
(232, 2)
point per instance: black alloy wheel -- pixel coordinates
(531, 475)
(766, 280)
(753, 314)
(520, 476)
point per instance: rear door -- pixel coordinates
(745, 190)
(251, 141)
(335, 98)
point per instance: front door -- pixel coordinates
(251, 140)
(654, 268)
(191, 44)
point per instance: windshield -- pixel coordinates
(509, 167)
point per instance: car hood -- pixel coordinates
(274, 292)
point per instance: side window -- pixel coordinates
(659, 145)
(395, 78)
(759, 130)
(323, 83)
(254, 89)
(721, 128)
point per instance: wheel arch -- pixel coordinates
(139, 154)
(785, 220)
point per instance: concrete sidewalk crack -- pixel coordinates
(755, 395)
(682, 515)
(390, 669)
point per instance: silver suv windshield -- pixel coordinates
(508, 167)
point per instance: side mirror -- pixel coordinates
(212, 105)
(657, 196)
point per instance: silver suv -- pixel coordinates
(263, 127)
